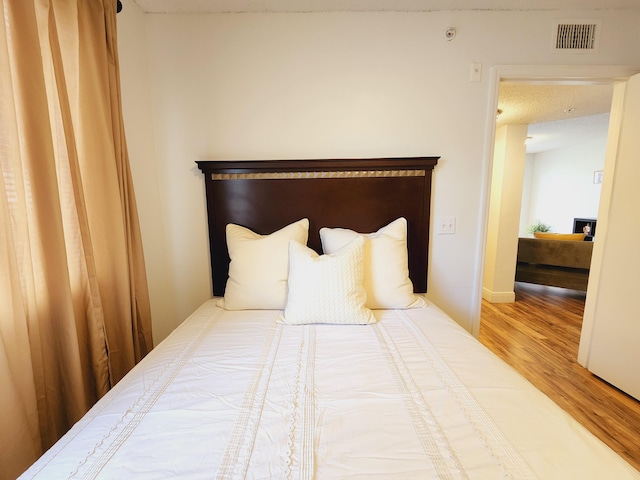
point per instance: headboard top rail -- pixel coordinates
(291, 165)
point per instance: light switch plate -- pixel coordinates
(476, 72)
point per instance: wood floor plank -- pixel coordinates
(539, 335)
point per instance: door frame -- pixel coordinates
(555, 74)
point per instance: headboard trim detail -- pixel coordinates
(323, 174)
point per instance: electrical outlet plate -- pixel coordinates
(446, 226)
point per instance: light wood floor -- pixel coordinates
(539, 335)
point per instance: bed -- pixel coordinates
(329, 385)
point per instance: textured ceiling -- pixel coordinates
(183, 6)
(525, 103)
(562, 133)
(557, 115)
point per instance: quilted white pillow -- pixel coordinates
(386, 263)
(327, 288)
(259, 266)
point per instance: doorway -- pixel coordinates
(533, 75)
(551, 181)
(548, 182)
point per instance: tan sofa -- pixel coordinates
(557, 263)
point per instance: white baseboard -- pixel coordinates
(498, 297)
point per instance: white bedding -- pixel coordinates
(238, 395)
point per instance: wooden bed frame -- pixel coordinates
(360, 194)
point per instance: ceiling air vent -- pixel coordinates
(580, 36)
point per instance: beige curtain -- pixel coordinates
(74, 308)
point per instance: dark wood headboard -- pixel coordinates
(360, 194)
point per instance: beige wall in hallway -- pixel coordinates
(504, 214)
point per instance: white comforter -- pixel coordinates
(237, 395)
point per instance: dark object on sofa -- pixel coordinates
(556, 263)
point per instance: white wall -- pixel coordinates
(273, 86)
(562, 185)
(152, 203)
(525, 204)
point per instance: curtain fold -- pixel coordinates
(74, 307)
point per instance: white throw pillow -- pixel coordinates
(327, 288)
(386, 263)
(259, 266)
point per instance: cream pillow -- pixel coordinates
(327, 288)
(259, 266)
(386, 263)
